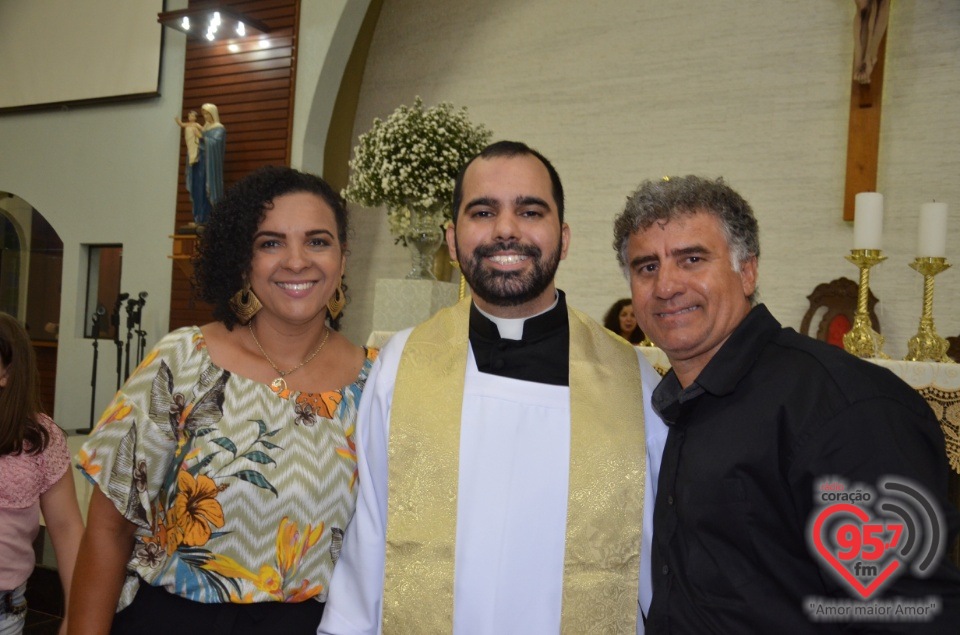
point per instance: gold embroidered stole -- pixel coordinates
(606, 479)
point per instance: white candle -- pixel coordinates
(932, 239)
(868, 221)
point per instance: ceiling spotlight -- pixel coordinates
(234, 21)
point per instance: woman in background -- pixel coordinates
(35, 476)
(620, 320)
(225, 467)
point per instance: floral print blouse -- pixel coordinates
(239, 493)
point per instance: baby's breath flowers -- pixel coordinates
(408, 163)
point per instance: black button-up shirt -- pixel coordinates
(769, 417)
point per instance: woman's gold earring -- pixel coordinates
(245, 303)
(336, 303)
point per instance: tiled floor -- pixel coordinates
(41, 623)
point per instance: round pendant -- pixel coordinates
(279, 384)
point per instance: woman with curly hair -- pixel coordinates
(620, 320)
(226, 466)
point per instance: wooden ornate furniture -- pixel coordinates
(839, 298)
(954, 351)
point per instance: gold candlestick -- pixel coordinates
(862, 340)
(926, 345)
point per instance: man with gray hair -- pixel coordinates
(765, 426)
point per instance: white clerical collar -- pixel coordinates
(512, 328)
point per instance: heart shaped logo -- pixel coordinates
(851, 538)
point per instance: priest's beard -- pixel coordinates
(509, 288)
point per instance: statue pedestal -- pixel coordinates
(184, 246)
(400, 304)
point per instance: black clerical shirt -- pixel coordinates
(770, 415)
(541, 355)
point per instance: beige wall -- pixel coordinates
(756, 91)
(328, 29)
(613, 92)
(108, 174)
(102, 174)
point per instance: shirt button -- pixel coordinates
(670, 500)
(665, 570)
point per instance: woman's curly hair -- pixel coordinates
(225, 248)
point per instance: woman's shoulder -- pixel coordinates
(366, 355)
(354, 361)
(370, 355)
(28, 475)
(56, 455)
(181, 344)
(180, 351)
(51, 427)
(186, 336)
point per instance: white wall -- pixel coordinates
(615, 92)
(108, 174)
(328, 29)
(103, 174)
(20, 214)
(612, 91)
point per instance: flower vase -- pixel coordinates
(423, 240)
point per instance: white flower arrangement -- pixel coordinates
(409, 162)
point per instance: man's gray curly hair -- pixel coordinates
(676, 196)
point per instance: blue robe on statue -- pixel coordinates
(197, 187)
(205, 177)
(215, 140)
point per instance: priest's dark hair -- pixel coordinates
(19, 395)
(226, 244)
(509, 149)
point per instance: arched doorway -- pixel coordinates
(10, 252)
(31, 269)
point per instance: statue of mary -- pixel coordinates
(205, 177)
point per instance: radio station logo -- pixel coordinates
(866, 538)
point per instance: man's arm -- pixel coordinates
(655, 432)
(356, 589)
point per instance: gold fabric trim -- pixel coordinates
(946, 407)
(607, 471)
(606, 480)
(423, 475)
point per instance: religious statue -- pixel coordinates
(869, 25)
(205, 154)
(192, 132)
(215, 142)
